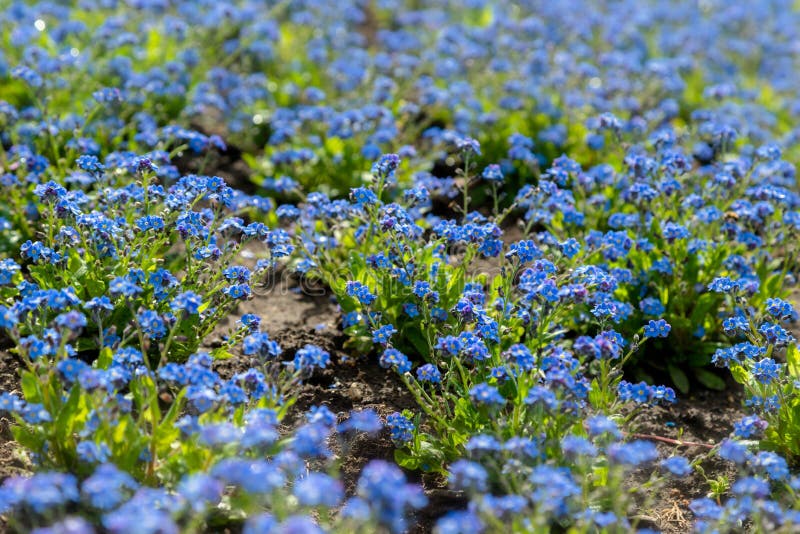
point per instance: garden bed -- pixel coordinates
(399, 266)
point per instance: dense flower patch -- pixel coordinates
(541, 225)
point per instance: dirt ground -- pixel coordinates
(705, 417)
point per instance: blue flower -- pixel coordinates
(481, 444)
(468, 476)
(200, 490)
(43, 492)
(91, 453)
(526, 251)
(751, 486)
(202, 398)
(521, 356)
(493, 173)
(8, 269)
(72, 321)
(774, 465)
(467, 145)
(543, 396)
(775, 334)
(383, 334)
(450, 345)
(90, 163)
(574, 446)
(652, 306)
(662, 266)
(383, 487)
(151, 324)
(49, 191)
(423, 290)
(259, 344)
(394, 358)
(99, 305)
(363, 196)
(429, 373)
(310, 357)
(108, 487)
(460, 522)
(237, 274)
(733, 451)
(121, 286)
(735, 324)
(259, 523)
(749, 426)
(188, 301)
(411, 309)
(658, 328)
(150, 222)
(321, 414)
(554, 489)
(780, 309)
(400, 428)
(673, 232)
(634, 453)
(361, 292)
(705, 508)
(361, 421)
(237, 291)
(570, 247)
(484, 394)
(253, 476)
(36, 348)
(318, 489)
(10, 402)
(600, 424)
(386, 165)
(8, 318)
(677, 465)
(250, 321)
(766, 370)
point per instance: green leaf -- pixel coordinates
(27, 437)
(105, 358)
(286, 407)
(773, 284)
(739, 373)
(679, 378)
(94, 287)
(417, 338)
(703, 306)
(793, 360)
(433, 458)
(221, 353)
(698, 359)
(595, 395)
(406, 460)
(74, 263)
(709, 379)
(30, 387)
(65, 421)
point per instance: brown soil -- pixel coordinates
(11, 462)
(703, 417)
